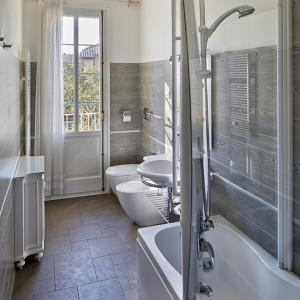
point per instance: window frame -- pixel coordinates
(77, 13)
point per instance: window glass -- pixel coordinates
(68, 30)
(82, 74)
(88, 29)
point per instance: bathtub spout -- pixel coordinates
(206, 290)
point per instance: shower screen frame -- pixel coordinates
(285, 136)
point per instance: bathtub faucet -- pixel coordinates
(208, 260)
(206, 225)
(206, 290)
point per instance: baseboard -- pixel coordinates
(78, 195)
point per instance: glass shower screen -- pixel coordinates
(229, 128)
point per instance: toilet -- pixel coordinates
(133, 198)
(119, 174)
(126, 184)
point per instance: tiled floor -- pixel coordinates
(89, 254)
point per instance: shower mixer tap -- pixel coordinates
(208, 261)
(206, 225)
(206, 290)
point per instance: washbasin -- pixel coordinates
(158, 157)
(159, 171)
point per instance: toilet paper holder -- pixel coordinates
(126, 115)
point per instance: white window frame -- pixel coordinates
(93, 13)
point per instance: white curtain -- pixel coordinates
(49, 123)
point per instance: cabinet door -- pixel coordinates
(33, 212)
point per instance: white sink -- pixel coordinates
(158, 157)
(159, 171)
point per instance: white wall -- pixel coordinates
(11, 24)
(155, 30)
(29, 29)
(124, 25)
(257, 30)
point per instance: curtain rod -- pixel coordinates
(129, 2)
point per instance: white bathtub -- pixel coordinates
(243, 271)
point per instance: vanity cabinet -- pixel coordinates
(29, 209)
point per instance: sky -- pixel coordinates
(88, 32)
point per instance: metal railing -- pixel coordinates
(87, 122)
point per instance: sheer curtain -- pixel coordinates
(49, 123)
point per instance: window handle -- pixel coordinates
(7, 45)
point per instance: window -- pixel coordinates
(82, 60)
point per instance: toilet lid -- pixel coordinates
(122, 170)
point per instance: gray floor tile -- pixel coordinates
(128, 232)
(131, 294)
(68, 294)
(104, 268)
(127, 274)
(79, 246)
(57, 245)
(104, 290)
(68, 264)
(36, 271)
(53, 230)
(111, 220)
(107, 245)
(43, 286)
(124, 257)
(35, 277)
(73, 269)
(85, 232)
(89, 218)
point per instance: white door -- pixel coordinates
(83, 55)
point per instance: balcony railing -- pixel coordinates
(86, 122)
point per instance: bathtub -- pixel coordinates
(243, 269)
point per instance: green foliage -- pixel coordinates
(89, 88)
(69, 93)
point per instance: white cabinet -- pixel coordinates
(29, 209)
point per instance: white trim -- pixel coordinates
(285, 136)
(71, 196)
(107, 60)
(128, 131)
(82, 134)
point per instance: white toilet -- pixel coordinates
(119, 174)
(126, 183)
(133, 198)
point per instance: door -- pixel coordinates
(85, 136)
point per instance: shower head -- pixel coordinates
(243, 11)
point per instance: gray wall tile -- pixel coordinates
(124, 92)
(244, 141)
(124, 148)
(155, 78)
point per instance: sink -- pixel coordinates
(159, 171)
(158, 157)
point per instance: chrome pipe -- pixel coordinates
(175, 38)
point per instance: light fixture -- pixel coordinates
(132, 2)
